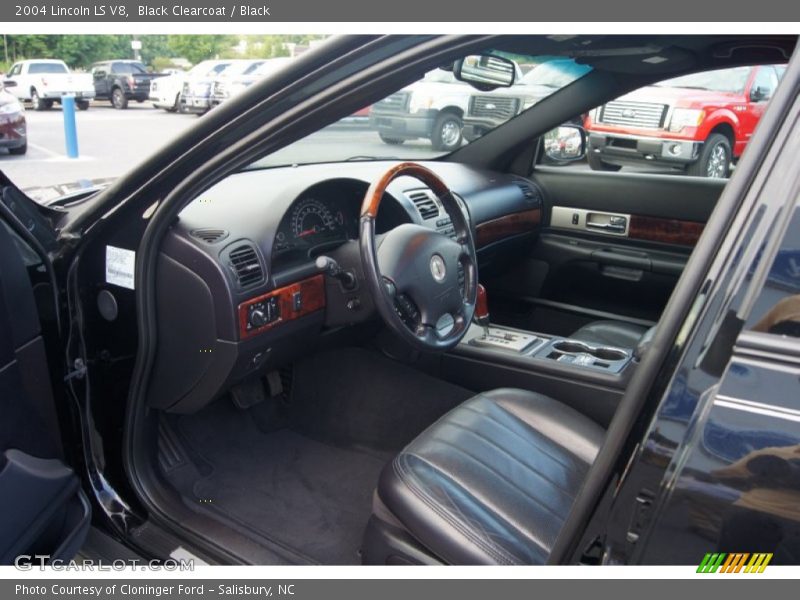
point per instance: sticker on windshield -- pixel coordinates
(119, 266)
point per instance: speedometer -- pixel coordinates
(311, 218)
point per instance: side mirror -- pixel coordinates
(758, 94)
(99, 74)
(485, 71)
(9, 83)
(566, 143)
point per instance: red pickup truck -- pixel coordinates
(697, 123)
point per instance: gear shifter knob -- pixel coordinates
(482, 308)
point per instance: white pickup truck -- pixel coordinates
(45, 81)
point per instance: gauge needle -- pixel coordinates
(306, 232)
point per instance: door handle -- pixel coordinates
(607, 227)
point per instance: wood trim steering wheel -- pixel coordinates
(424, 283)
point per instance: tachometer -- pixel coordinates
(311, 218)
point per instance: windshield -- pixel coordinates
(426, 119)
(555, 74)
(47, 68)
(722, 80)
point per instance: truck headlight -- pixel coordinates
(419, 102)
(10, 108)
(685, 117)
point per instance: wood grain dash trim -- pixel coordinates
(514, 224)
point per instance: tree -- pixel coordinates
(199, 47)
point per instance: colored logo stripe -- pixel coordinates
(734, 562)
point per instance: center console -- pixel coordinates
(589, 377)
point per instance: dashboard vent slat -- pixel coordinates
(210, 236)
(245, 264)
(425, 202)
(528, 190)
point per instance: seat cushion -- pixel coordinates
(493, 480)
(610, 333)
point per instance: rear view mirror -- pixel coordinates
(485, 71)
(566, 143)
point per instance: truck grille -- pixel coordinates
(647, 115)
(397, 102)
(493, 107)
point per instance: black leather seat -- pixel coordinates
(491, 482)
(611, 333)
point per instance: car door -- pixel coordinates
(613, 244)
(43, 509)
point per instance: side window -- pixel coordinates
(15, 70)
(115, 68)
(764, 84)
(777, 308)
(679, 126)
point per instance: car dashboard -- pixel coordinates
(239, 292)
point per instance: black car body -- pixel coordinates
(224, 386)
(120, 81)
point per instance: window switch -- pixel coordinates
(297, 301)
(575, 218)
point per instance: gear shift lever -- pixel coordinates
(482, 310)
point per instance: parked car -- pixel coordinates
(165, 92)
(699, 124)
(233, 82)
(432, 108)
(13, 127)
(121, 81)
(43, 82)
(487, 110)
(265, 345)
(197, 94)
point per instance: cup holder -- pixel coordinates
(573, 347)
(609, 354)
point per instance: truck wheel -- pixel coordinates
(118, 99)
(715, 158)
(83, 105)
(597, 164)
(20, 150)
(392, 141)
(446, 134)
(37, 103)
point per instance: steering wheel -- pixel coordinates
(413, 272)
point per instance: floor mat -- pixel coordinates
(310, 498)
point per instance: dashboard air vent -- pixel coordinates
(425, 202)
(528, 190)
(245, 264)
(210, 236)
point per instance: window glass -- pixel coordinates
(46, 67)
(777, 309)
(682, 125)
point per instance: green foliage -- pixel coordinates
(200, 47)
(80, 51)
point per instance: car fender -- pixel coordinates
(720, 116)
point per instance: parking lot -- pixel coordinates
(112, 141)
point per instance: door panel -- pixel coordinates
(613, 246)
(42, 508)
